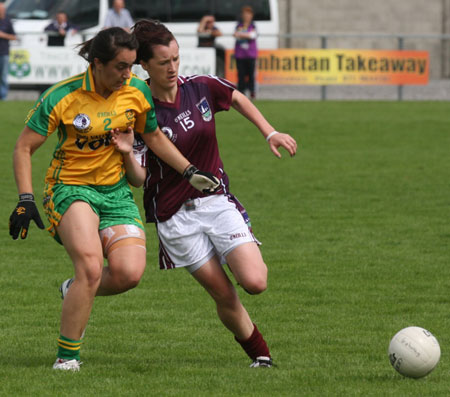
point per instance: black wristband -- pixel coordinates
(189, 171)
(26, 197)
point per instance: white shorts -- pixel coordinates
(200, 229)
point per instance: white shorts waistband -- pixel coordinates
(198, 202)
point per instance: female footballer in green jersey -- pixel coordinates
(87, 198)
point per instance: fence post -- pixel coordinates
(323, 89)
(401, 43)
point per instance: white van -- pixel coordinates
(30, 17)
(33, 63)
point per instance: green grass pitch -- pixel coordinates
(356, 235)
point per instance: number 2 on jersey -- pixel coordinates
(107, 123)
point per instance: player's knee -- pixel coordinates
(255, 286)
(90, 275)
(128, 278)
(131, 281)
(128, 284)
(255, 282)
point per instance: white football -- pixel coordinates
(414, 352)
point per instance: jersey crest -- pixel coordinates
(82, 123)
(205, 110)
(129, 113)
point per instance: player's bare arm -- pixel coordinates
(27, 143)
(275, 139)
(123, 142)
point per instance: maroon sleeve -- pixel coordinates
(221, 91)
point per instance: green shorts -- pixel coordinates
(113, 204)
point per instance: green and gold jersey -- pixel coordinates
(83, 119)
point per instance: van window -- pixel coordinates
(230, 10)
(180, 11)
(83, 13)
(154, 9)
(30, 9)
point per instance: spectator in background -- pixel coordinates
(246, 51)
(6, 35)
(207, 31)
(58, 30)
(118, 16)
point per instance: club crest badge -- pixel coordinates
(82, 123)
(205, 110)
(129, 114)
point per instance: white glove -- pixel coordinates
(203, 181)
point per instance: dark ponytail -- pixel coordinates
(106, 44)
(150, 33)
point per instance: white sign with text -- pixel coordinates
(48, 65)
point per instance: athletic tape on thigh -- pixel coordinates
(127, 241)
(120, 235)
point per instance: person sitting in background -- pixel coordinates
(207, 31)
(118, 16)
(58, 29)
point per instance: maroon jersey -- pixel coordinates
(190, 124)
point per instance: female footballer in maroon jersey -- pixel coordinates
(199, 231)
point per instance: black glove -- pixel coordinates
(24, 212)
(203, 181)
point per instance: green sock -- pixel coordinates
(68, 349)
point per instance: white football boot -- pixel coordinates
(261, 361)
(67, 365)
(65, 287)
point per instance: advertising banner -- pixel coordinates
(336, 66)
(48, 65)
